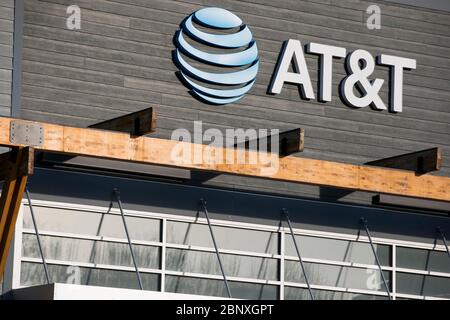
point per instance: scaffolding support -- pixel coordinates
(302, 266)
(38, 238)
(116, 193)
(439, 231)
(205, 210)
(364, 224)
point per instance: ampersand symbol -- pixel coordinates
(358, 76)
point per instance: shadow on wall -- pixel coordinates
(171, 198)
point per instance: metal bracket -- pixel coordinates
(26, 133)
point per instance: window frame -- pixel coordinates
(283, 231)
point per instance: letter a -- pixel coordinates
(74, 20)
(292, 50)
(374, 20)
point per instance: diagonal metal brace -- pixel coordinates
(205, 210)
(363, 222)
(38, 237)
(441, 233)
(116, 193)
(302, 266)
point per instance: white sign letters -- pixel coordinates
(292, 52)
(327, 53)
(356, 88)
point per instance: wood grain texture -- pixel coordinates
(11, 199)
(11, 167)
(120, 146)
(120, 62)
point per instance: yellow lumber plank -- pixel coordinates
(120, 146)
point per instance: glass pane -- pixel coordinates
(422, 285)
(227, 238)
(338, 250)
(92, 223)
(209, 287)
(99, 252)
(292, 293)
(33, 274)
(419, 259)
(234, 265)
(337, 276)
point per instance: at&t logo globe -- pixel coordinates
(216, 55)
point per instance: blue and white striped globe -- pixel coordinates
(217, 87)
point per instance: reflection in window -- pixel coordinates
(338, 250)
(209, 287)
(422, 285)
(292, 293)
(32, 274)
(234, 265)
(337, 276)
(99, 252)
(419, 259)
(227, 238)
(92, 223)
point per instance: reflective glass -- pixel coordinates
(293, 293)
(101, 252)
(338, 250)
(92, 223)
(209, 287)
(227, 238)
(422, 285)
(33, 274)
(337, 276)
(234, 265)
(420, 259)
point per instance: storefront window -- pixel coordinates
(422, 285)
(98, 252)
(90, 248)
(338, 250)
(234, 265)
(33, 274)
(336, 276)
(426, 260)
(92, 223)
(292, 293)
(209, 287)
(227, 238)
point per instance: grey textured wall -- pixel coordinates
(120, 61)
(6, 54)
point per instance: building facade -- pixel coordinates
(121, 58)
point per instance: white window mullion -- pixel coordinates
(282, 247)
(163, 255)
(394, 274)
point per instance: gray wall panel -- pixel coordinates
(120, 62)
(6, 53)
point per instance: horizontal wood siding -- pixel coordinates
(6, 54)
(120, 62)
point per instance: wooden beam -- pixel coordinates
(9, 166)
(136, 124)
(423, 161)
(292, 141)
(11, 198)
(119, 146)
(289, 142)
